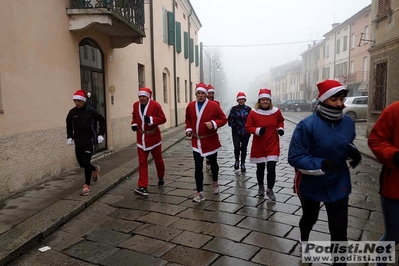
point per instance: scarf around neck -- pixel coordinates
(330, 113)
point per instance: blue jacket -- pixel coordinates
(237, 119)
(314, 140)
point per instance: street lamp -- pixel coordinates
(217, 62)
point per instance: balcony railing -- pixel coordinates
(355, 77)
(123, 20)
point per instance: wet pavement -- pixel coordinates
(113, 226)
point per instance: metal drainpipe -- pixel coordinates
(189, 63)
(154, 91)
(174, 71)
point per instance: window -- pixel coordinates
(324, 51)
(352, 66)
(197, 59)
(380, 85)
(353, 41)
(165, 87)
(328, 51)
(141, 75)
(365, 68)
(171, 28)
(178, 89)
(191, 50)
(366, 34)
(338, 46)
(186, 44)
(178, 37)
(384, 7)
(185, 91)
(345, 45)
(164, 24)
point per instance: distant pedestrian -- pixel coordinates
(237, 119)
(320, 146)
(384, 142)
(147, 116)
(80, 126)
(203, 119)
(211, 96)
(266, 123)
(211, 93)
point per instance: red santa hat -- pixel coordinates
(201, 87)
(79, 95)
(241, 95)
(328, 88)
(210, 88)
(265, 93)
(145, 92)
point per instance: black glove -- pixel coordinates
(280, 132)
(328, 165)
(134, 128)
(396, 159)
(356, 158)
(147, 119)
(262, 131)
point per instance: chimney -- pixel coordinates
(309, 46)
(335, 25)
(314, 43)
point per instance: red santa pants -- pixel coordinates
(143, 164)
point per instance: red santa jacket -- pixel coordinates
(266, 147)
(204, 140)
(148, 134)
(384, 142)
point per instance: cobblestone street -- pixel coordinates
(232, 228)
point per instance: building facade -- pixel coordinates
(384, 58)
(50, 49)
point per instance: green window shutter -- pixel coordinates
(186, 44)
(191, 50)
(178, 37)
(196, 56)
(171, 28)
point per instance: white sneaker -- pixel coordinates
(271, 195)
(199, 197)
(215, 188)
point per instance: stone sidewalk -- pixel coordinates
(115, 227)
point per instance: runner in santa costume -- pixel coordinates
(147, 115)
(203, 118)
(211, 93)
(266, 123)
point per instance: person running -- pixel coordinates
(266, 123)
(384, 143)
(80, 126)
(319, 148)
(237, 119)
(203, 119)
(147, 115)
(211, 96)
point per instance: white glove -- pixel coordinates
(100, 139)
(70, 142)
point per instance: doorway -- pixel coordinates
(92, 79)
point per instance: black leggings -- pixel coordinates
(83, 155)
(240, 146)
(271, 173)
(337, 213)
(199, 175)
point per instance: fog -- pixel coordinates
(244, 39)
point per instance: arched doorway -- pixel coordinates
(92, 78)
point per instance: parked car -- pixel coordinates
(356, 107)
(315, 102)
(296, 105)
